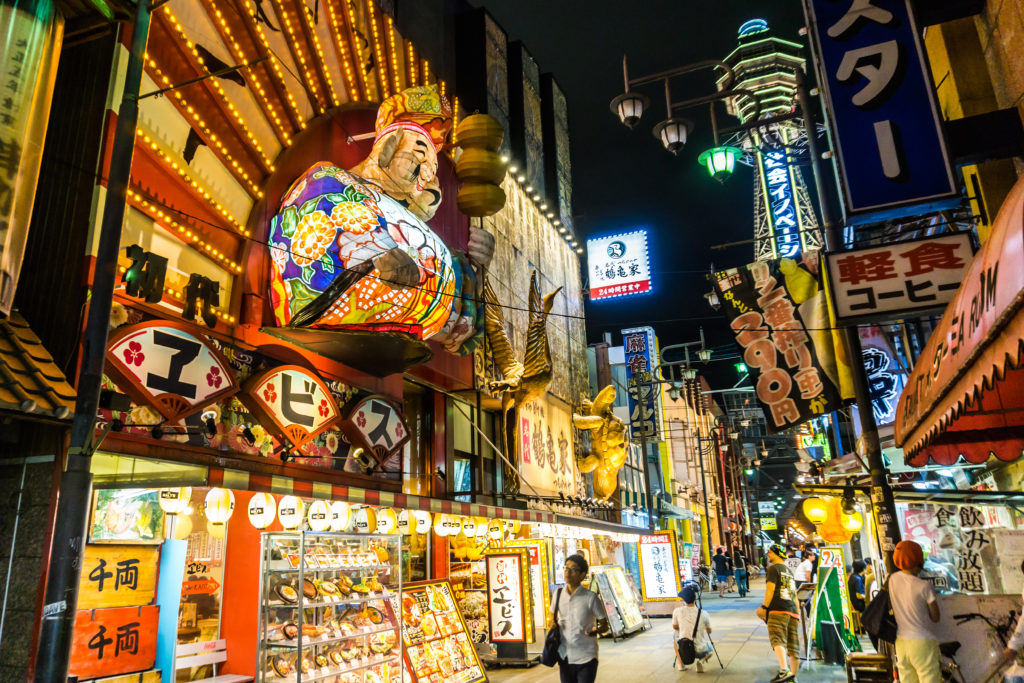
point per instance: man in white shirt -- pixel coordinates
(915, 607)
(684, 619)
(581, 617)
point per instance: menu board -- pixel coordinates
(659, 576)
(437, 647)
(603, 588)
(540, 592)
(469, 585)
(624, 596)
(508, 599)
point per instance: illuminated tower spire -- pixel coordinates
(784, 219)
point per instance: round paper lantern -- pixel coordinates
(480, 199)
(480, 166)
(365, 520)
(262, 510)
(182, 527)
(319, 515)
(481, 526)
(290, 510)
(495, 529)
(406, 523)
(815, 510)
(517, 526)
(852, 523)
(468, 527)
(341, 516)
(387, 521)
(423, 521)
(220, 503)
(832, 530)
(479, 130)
(441, 524)
(217, 530)
(175, 501)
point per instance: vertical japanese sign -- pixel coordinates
(659, 578)
(506, 596)
(886, 377)
(778, 184)
(113, 641)
(779, 313)
(31, 43)
(619, 265)
(832, 599)
(974, 538)
(117, 575)
(878, 93)
(640, 349)
(545, 447)
(895, 279)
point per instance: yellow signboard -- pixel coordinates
(118, 575)
(769, 524)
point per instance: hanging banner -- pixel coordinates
(113, 641)
(117, 575)
(640, 348)
(878, 93)
(619, 265)
(545, 448)
(507, 595)
(658, 562)
(779, 313)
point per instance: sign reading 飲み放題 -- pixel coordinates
(878, 93)
(779, 313)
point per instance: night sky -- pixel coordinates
(625, 179)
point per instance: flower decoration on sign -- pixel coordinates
(313, 235)
(361, 419)
(324, 409)
(133, 355)
(269, 395)
(213, 377)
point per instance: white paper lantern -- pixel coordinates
(319, 516)
(219, 505)
(175, 501)
(406, 522)
(262, 510)
(423, 521)
(469, 527)
(365, 520)
(341, 516)
(441, 524)
(290, 511)
(387, 521)
(495, 529)
(182, 527)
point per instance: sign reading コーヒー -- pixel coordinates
(641, 355)
(898, 278)
(878, 93)
(619, 265)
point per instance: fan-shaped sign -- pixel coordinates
(165, 365)
(377, 425)
(291, 402)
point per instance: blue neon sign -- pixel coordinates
(782, 203)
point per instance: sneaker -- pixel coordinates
(784, 675)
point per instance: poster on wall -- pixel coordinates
(778, 311)
(659, 579)
(508, 598)
(640, 350)
(619, 265)
(120, 515)
(545, 447)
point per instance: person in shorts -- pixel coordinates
(722, 567)
(778, 610)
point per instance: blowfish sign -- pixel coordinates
(779, 314)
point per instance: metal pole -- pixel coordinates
(704, 489)
(883, 505)
(647, 476)
(75, 492)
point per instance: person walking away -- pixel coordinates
(722, 567)
(739, 568)
(915, 607)
(855, 584)
(581, 617)
(778, 610)
(684, 618)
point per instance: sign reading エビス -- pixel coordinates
(895, 279)
(507, 594)
(619, 265)
(641, 354)
(779, 313)
(878, 93)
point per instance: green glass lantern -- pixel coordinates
(720, 161)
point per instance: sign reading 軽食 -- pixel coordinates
(896, 279)
(619, 265)
(640, 350)
(505, 596)
(658, 562)
(878, 94)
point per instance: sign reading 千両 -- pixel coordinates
(117, 575)
(114, 641)
(896, 279)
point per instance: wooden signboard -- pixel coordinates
(117, 575)
(114, 641)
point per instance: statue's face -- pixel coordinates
(408, 161)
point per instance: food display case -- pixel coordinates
(611, 578)
(438, 648)
(326, 611)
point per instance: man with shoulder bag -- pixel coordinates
(578, 617)
(691, 627)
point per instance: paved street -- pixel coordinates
(739, 636)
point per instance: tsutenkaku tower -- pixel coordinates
(785, 223)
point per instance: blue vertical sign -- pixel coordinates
(885, 127)
(779, 186)
(640, 352)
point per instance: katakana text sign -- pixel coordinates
(878, 93)
(779, 313)
(114, 641)
(164, 365)
(658, 563)
(619, 265)
(506, 596)
(117, 575)
(376, 424)
(895, 279)
(640, 351)
(292, 402)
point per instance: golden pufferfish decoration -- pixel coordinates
(607, 442)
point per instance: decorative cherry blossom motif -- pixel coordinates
(269, 393)
(399, 431)
(313, 235)
(213, 377)
(324, 409)
(361, 419)
(133, 355)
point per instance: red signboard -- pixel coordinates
(291, 402)
(199, 587)
(114, 641)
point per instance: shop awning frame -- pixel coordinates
(666, 509)
(1014, 499)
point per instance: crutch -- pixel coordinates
(715, 650)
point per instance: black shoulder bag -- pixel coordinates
(553, 638)
(878, 619)
(687, 648)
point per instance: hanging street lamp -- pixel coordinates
(629, 107)
(672, 132)
(720, 161)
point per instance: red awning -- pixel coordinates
(965, 397)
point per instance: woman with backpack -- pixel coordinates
(690, 623)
